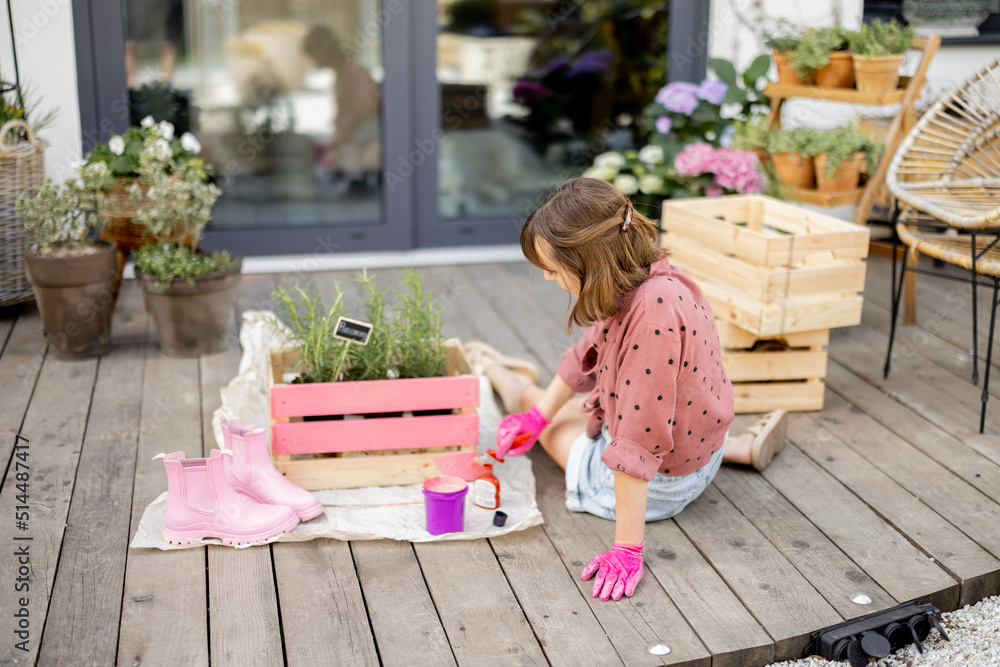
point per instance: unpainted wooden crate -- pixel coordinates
(767, 266)
(786, 371)
(331, 435)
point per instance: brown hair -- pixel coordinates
(581, 221)
(322, 45)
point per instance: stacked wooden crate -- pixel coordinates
(778, 278)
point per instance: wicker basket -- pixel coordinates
(22, 169)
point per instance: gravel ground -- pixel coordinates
(975, 640)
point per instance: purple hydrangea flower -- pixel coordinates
(556, 63)
(592, 61)
(679, 97)
(663, 124)
(529, 92)
(713, 92)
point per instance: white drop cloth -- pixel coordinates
(371, 513)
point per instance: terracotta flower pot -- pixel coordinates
(794, 170)
(877, 74)
(76, 297)
(787, 73)
(839, 73)
(192, 320)
(847, 176)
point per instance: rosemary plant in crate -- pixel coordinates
(71, 272)
(405, 341)
(189, 293)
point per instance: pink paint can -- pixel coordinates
(445, 504)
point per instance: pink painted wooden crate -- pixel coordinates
(372, 432)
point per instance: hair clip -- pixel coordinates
(628, 216)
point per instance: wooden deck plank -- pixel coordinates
(919, 497)
(631, 624)
(945, 306)
(244, 627)
(85, 608)
(880, 550)
(950, 401)
(20, 364)
(552, 601)
(947, 355)
(404, 621)
(778, 596)
(825, 566)
(479, 612)
(471, 317)
(725, 627)
(164, 606)
(510, 301)
(54, 438)
(974, 466)
(323, 617)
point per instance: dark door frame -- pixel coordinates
(412, 129)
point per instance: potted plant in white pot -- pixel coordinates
(189, 293)
(71, 272)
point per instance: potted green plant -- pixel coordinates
(823, 52)
(383, 409)
(792, 151)
(121, 154)
(782, 43)
(877, 49)
(71, 272)
(189, 293)
(842, 156)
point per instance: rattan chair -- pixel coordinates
(946, 179)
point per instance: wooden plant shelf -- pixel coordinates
(851, 95)
(777, 372)
(332, 435)
(827, 199)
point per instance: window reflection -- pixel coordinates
(284, 97)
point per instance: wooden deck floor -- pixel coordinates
(889, 491)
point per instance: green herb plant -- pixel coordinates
(801, 140)
(880, 39)
(61, 220)
(406, 332)
(750, 134)
(312, 324)
(814, 49)
(842, 143)
(784, 37)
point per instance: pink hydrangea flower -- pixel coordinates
(739, 171)
(663, 124)
(679, 97)
(696, 159)
(713, 191)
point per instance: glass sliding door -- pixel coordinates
(528, 92)
(287, 99)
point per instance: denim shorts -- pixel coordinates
(590, 483)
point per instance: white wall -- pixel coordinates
(46, 57)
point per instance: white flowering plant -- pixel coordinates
(648, 177)
(121, 151)
(63, 220)
(174, 205)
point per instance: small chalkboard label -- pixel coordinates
(353, 330)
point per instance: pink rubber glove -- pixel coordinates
(618, 571)
(530, 423)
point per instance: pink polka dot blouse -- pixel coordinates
(654, 376)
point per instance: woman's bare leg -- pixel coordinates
(519, 394)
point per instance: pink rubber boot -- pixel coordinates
(251, 471)
(201, 503)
